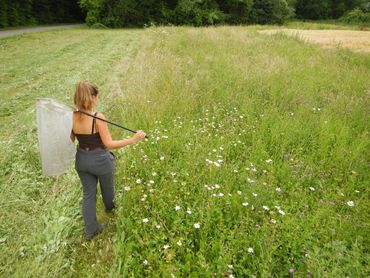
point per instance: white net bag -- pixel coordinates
(54, 125)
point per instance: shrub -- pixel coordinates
(270, 11)
(357, 16)
(93, 9)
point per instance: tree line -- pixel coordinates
(31, 12)
(121, 13)
(118, 13)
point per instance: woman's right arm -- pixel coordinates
(105, 136)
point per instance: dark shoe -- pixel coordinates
(98, 231)
(110, 209)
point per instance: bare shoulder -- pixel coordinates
(100, 115)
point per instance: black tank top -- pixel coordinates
(91, 141)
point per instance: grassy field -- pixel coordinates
(257, 162)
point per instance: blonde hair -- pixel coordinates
(84, 95)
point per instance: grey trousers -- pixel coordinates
(94, 166)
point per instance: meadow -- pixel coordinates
(256, 164)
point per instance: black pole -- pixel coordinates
(126, 128)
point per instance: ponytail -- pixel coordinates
(84, 93)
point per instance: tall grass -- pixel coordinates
(264, 144)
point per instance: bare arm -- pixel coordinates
(106, 137)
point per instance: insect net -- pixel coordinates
(54, 125)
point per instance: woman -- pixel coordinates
(94, 162)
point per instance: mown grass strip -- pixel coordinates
(42, 228)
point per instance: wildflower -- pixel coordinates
(127, 188)
(268, 160)
(154, 174)
(254, 194)
(239, 192)
(188, 211)
(230, 266)
(250, 180)
(273, 221)
(138, 181)
(151, 181)
(312, 188)
(145, 220)
(217, 164)
(278, 189)
(291, 270)
(177, 208)
(179, 243)
(165, 247)
(145, 262)
(245, 204)
(350, 203)
(197, 226)
(281, 212)
(151, 190)
(161, 158)
(158, 226)
(265, 207)
(250, 250)
(220, 194)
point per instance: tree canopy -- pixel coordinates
(27, 12)
(121, 13)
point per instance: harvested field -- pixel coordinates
(358, 41)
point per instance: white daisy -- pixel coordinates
(350, 203)
(265, 207)
(165, 247)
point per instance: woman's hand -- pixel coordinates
(139, 135)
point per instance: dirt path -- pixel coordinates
(9, 33)
(358, 41)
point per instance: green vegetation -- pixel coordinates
(323, 25)
(256, 162)
(28, 12)
(42, 228)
